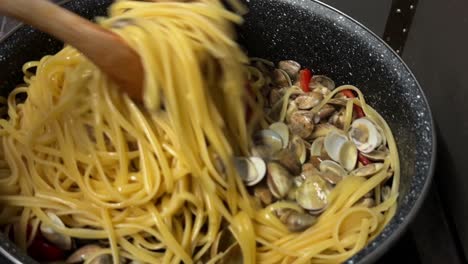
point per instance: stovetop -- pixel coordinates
(417, 32)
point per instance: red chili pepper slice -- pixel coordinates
(357, 109)
(305, 76)
(348, 93)
(41, 250)
(365, 161)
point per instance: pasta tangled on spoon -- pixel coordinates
(286, 169)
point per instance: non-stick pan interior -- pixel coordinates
(322, 39)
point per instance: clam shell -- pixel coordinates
(367, 170)
(365, 135)
(313, 193)
(282, 130)
(270, 138)
(279, 180)
(252, 170)
(333, 144)
(60, 240)
(317, 146)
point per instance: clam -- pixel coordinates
(332, 171)
(379, 154)
(333, 143)
(292, 193)
(302, 123)
(316, 160)
(367, 170)
(313, 193)
(308, 174)
(270, 138)
(340, 149)
(289, 160)
(317, 212)
(386, 192)
(365, 135)
(262, 151)
(331, 177)
(308, 101)
(317, 147)
(263, 193)
(322, 80)
(60, 240)
(298, 180)
(369, 194)
(274, 97)
(382, 133)
(291, 67)
(348, 156)
(84, 253)
(338, 119)
(251, 170)
(321, 130)
(297, 221)
(297, 145)
(282, 130)
(325, 112)
(279, 180)
(308, 166)
(279, 79)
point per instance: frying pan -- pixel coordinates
(321, 38)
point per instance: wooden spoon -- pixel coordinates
(104, 48)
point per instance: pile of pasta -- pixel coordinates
(156, 181)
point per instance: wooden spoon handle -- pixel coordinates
(104, 48)
(49, 18)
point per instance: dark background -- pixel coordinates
(434, 46)
(432, 37)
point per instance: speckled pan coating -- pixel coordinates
(328, 42)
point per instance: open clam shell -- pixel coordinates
(341, 150)
(317, 147)
(379, 154)
(279, 180)
(313, 193)
(302, 123)
(85, 252)
(252, 170)
(60, 240)
(324, 81)
(297, 221)
(308, 100)
(367, 170)
(365, 135)
(289, 160)
(333, 144)
(332, 171)
(298, 146)
(348, 156)
(282, 130)
(322, 130)
(269, 138)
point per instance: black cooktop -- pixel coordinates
(431, 37)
